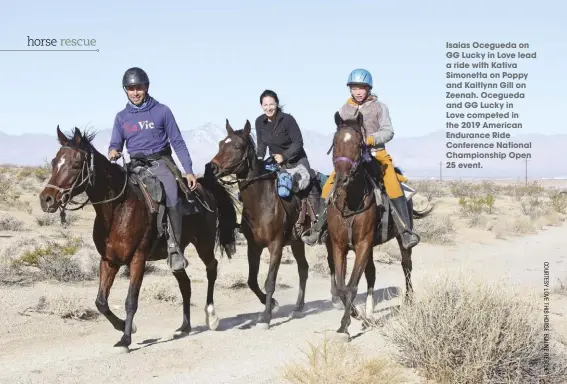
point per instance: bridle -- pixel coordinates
(86, 178)
(363, 157)
(234, 170)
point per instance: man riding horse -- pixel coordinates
(148, 127)
(379, 131)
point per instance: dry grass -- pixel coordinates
(163, 292)
(561, 287)
(10, 223)
(331, 363)
(464, 331)
(36, 259)
(237, 280)
(64, 306)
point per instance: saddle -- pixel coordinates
(382, 200)
(149, 188)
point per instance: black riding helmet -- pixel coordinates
(135, 76)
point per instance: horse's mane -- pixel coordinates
(87, 136)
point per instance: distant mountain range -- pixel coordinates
(418, 157)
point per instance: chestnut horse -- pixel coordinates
(125, 232)
(267, 220)
(354, 217)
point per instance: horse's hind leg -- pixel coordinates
(185, 288)
(298, 250)
(107, 274)
(137, 269)
(206, 253)
(407, 268)
(370, 274)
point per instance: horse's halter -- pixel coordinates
(234, 168)
(87, 168)
(86, 178)
(363, 155)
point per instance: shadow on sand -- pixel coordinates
(248, 320)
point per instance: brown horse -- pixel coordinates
(125, 232)
(354, 218)
(267, 219)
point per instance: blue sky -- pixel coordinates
(211, 61)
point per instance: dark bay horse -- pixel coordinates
(125, 233)
(353, 218)
(267, 220)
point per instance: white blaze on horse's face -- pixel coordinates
(228, 140)
(347, 137)
(60, 163)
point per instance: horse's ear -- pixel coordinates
(77, 137)
(338, 118)
(61, 137)
(247, 128)
(359, 118)
(229, 129)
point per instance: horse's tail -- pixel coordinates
(416, 214)
(421, 214)
(226, 214)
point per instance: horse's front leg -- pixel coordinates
(275, 248)
(137, 269)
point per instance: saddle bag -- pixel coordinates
(285, 184)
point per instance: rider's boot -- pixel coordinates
(176, 260)
(402, 219)
(314, 237)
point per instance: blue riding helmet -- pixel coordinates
(360, 76)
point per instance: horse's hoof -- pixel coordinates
(120, 349)
(213, 322)
(341, 337)
(263, 326)
(337, 303)
(296, 314)
(180, 333)
(275, 306)
(212, 318)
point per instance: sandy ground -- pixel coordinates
(43, 348)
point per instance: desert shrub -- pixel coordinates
(46, 219)
(463, 331)
(435, 229)
(64, 306)
(10, 223)
(340, 363)
(430, 189)
(54, 261)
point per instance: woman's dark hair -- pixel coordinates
(272, 94)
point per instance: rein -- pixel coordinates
(243, 183)
(87, 167)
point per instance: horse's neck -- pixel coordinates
(108, 183)
(257, 191)
(355, 191)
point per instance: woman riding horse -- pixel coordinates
(280, 133)
(148, 127)
(379, 131)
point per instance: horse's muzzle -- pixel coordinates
(48, 202)
(214, 169)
